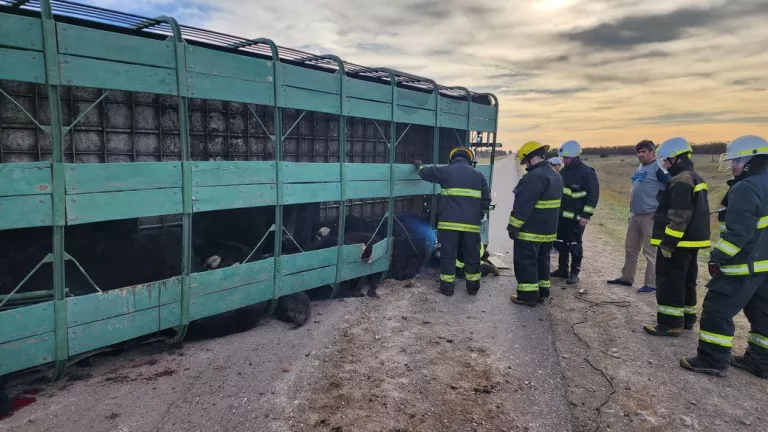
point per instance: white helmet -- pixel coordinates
(673, 147)
(747, 145)
(570, 149)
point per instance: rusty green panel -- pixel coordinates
(405, 114)
(413, 187)
(296, 76)
(91, 336)
(26, 353)
(106, 45)
(482, 125)
(485, 170)
(109, 304)
(369, 91)
(297, 193)
(303, 99)
(211, 281)
(406, 172)
(310, 172)
(304, 261)
(26, 322)
(352, 270)
(299, 282)
(224, 301)
(484, 111)
(367, 171)
(95, 207)
(452, 106)
(455, 121)
(380, 249)
(85, 72)
(222, 64)
(232, 173)
(25, 211)
(170, 315)
(414, 99)
(20, 32)
(367, 189)
(231, 197)
(116, 177)
(33, 178)
(230, 89)
(352, 253)
(367, 109)
(18, 65)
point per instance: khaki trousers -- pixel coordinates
(639, 237)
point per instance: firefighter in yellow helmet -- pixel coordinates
(464, 202)
(533, 223)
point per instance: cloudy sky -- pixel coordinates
(604, 72)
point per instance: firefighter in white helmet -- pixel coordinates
(738, 265)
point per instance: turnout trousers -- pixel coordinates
(676, 288)
(531, 263)
(450, 241)
(568, 245)
(726, 297)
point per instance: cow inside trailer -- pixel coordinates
(152, 175)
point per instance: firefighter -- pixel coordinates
(581, 192)
(533, 223)
(464, 202)
(680, 229)
(738, 265)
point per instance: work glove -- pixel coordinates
(417, 163)
(714, 270)
(512, 231)
(666, 253)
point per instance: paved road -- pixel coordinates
(250, 380)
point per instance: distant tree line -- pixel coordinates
(702, 148)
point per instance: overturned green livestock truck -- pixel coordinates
(130, 145)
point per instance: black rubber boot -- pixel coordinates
(561, 272)
(743, 363)
(473, 287)
(562, 266)
(690, 321)
(694, 364)
(446, 289)
(522, 302)
(658, 330)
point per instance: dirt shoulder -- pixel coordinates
(652, 392)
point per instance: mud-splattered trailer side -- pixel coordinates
(153, 174)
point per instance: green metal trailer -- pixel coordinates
(107, 116)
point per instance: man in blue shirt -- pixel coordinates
(647, 181)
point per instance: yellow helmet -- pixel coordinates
(466, 150)
(527, 149)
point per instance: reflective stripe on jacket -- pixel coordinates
(682, 218)
(464, 198)
(581, 190)
(536, 211)
(743, 245)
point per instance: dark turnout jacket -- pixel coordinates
(464, 196)
(743, 246)
(536, 210)
(581, 190)
(682, 218)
